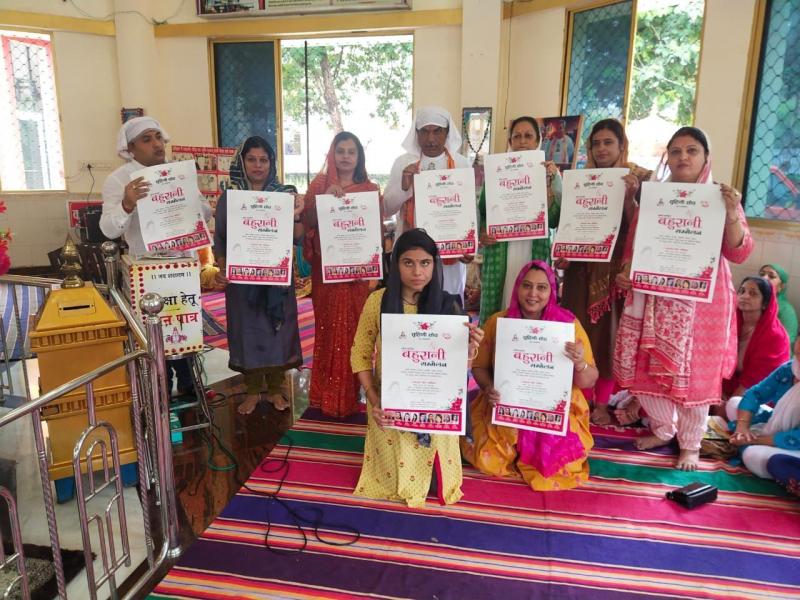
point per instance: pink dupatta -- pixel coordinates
(545, 452)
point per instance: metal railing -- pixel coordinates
(96, 452)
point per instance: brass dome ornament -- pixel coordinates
(71, 265)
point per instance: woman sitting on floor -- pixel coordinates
(763, 342)
(398, 464)
(779, 279)
(766, 420)
(545, 461)
(785, 469)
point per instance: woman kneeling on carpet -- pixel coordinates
(398, 464)
(545, 461)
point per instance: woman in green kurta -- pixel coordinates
(503, 260)
(779, 279)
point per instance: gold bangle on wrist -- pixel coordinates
(583, 368)
(473, 356)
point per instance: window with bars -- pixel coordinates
(656, 94)
(772, 184)
(31, 156)
(598, 64)
(244, 81)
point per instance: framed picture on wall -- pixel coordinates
(264, 8)
(561, 138)
(476, 132)
(126, 114)
(228, 7)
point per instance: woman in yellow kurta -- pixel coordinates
(398, 464)
(545, 461)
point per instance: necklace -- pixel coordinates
(486, 128)
(408, 302)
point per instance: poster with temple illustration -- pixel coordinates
(350, 236)
(424, 372)
(170, 216)
(591, 214)
(533, 375)
(444, 204)
(516, 196)
(260, 237)
(678, 240)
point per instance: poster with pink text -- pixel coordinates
(533, 375)
(260, 237)
(350, 236)
(678, 240)
(516, 196)
(170, 215)
(424, 379)
(444, 204)
(591, 213)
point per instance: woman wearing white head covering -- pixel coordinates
(432, 143)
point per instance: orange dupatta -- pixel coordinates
(409, 206)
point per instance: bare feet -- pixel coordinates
(600, 415)
(629, 414)
(688, 460)
(650, 441)
(249, 404)
(279, 401)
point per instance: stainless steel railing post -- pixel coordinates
(110, 255)
(151, 305)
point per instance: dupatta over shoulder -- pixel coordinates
(269, 297)
(328, 176)
(545, 452)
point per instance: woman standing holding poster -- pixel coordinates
(671, 353)
(263, 337)
(502, 260)
(398, 464)
(589, 289)
(546, 461)
(337, 306)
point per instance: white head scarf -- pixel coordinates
(433, 115)
(132, 129)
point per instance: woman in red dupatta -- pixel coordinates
(337, 306)
(763, 341)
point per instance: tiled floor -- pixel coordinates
(206, 475)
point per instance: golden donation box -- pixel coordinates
(75, 333)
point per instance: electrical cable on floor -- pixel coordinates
(317, 518)
(316, 521)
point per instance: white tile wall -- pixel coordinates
(778, 246)
(38, 223)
